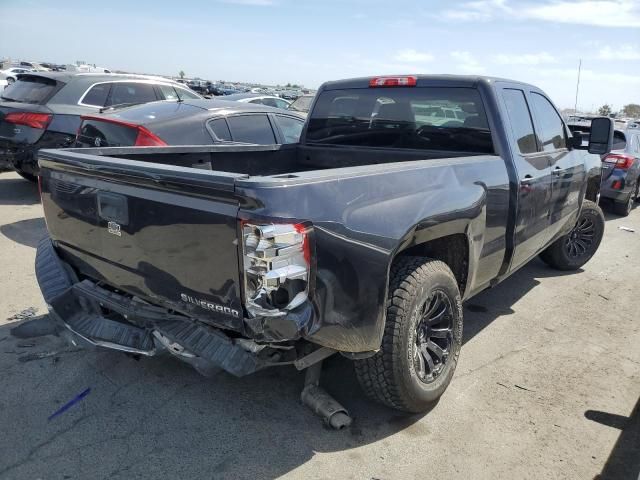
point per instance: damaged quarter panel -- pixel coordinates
(362, 218)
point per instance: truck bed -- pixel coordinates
(269, 160)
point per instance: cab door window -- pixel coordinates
(550, 126)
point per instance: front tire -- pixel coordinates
(573, 250)
(422, 337)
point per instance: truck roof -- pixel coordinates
(421, 81)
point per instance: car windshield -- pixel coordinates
(302, 104)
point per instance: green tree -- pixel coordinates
(631, 110)
(605, 110)
(288, 85)
(181, 73)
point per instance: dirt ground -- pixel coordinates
(548, 386)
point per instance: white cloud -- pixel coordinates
(525, 59)
(476, 11)
(467, 63)
(623, 52)
(600, 13)
(412, 56)
(254, 3)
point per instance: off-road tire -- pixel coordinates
(390, 377)
(557, 255)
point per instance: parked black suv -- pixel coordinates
(43, 109)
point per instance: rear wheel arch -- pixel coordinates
(453, 249)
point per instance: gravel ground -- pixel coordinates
(548, 386)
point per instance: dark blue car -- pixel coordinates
(621, 172)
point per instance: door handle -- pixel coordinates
(526, 180)
(558, 171)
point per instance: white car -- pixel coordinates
(12, 73)
(268, 100)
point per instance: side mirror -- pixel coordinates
(601, 136)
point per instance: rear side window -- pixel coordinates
(184, 93)
(291, 128)
(125, 93)
(619, 140)
(549, 123)
(429, 118)
(97, 95)
(520, 120)
(30, 89)
(251, 129)
(168, 92)
(220, 129)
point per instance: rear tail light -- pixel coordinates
(622, 161)
(29, 119)
(145, 137)
(405, 81)
(277, 263)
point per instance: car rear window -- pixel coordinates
(429, 118)
(29, 89)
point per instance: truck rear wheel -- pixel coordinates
(422, 337)
(573, 250)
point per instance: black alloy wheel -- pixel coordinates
(434, 336)
(581, 239)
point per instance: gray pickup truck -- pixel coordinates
(405, 197)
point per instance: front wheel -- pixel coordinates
(422, 337)
(573, 250)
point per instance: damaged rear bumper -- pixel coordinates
(91, 316)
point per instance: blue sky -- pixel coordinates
(308, 41)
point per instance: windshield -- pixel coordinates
(449, 119)
(29, 89)
(302, 104)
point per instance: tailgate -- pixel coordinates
(163, 233)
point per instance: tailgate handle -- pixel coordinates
(113, 207)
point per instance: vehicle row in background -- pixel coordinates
(43, 109)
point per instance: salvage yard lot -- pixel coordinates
(548, 386)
